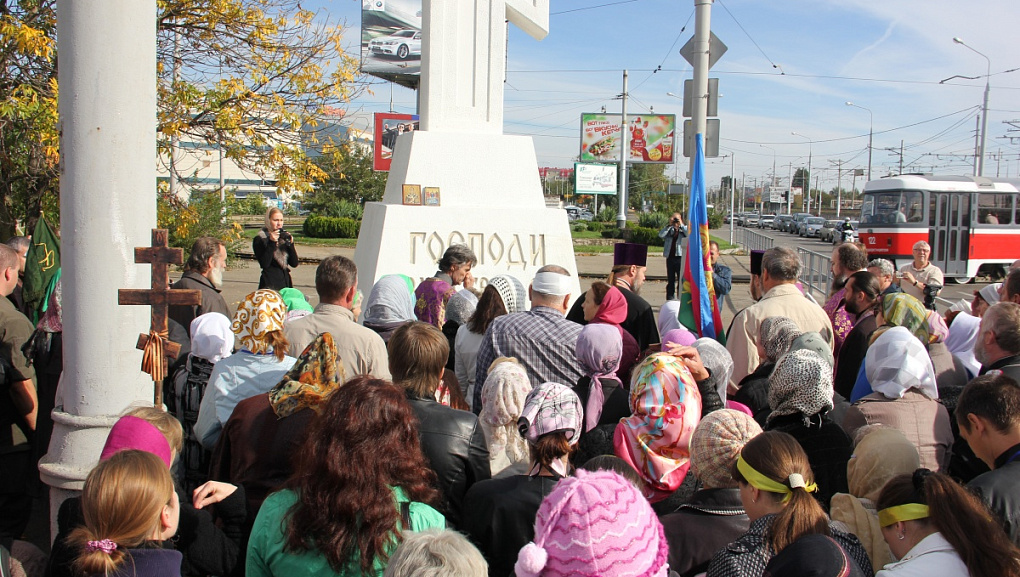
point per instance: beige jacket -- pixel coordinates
(362, 350)
(784, 300)
(925, 422)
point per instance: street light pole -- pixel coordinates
(984, 107)
(772, 182)
(806, 181)
(871, 132)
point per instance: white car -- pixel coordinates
(402, 44)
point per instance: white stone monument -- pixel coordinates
(490, 196)
(107, 207)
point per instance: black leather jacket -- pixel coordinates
(1000, 490)
(712, 519)
(455, 448)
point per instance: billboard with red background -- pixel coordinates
(388, 126)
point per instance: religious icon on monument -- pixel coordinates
(431, 196)
(412, 194)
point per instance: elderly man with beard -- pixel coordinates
(204, 272)
(862, 298)
(846, 260)
(997, 347)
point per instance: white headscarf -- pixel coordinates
(896, 362)
(391, 301)
(211, 337)
(963, 333)
(717, 359)
(668, 317)
(461, 306)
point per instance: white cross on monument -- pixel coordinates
(464, 60)
(491, 195)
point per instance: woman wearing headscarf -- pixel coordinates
(260, 364)
(905, 397)
(896, 310)
(503, 394)
(717, 360)
(775, 334)
(503, 295)
(800, 395)
(950, 374)
(714, 515)
(666, 407)
(296, 302)
(668, 319)
(211, 342)
(264, 432)
(963, 334)
(602, 395)
(458, 310)
(433, 293)
(604, 304)
(984, 298)
(390, 304)
(880, 455)
(503, 510)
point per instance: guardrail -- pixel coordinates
(817, 274)
(751, 240)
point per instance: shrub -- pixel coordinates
(612, 233)
(595, 226)
(340, 208)
(607, 214)
(715, 219)
(645, 235)
(202, 216)
(250, 205)
(655, 220)
(318, 226)
(579, 227)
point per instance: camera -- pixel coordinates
(930, 292)
(676, 220)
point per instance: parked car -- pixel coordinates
(751, 219)
(827, 229)
(766, 220)
(812, 225)
(796, 225)
(782, 221)
(578, 213)
(402, 44)
(726, 219)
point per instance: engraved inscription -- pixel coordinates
(511, 250)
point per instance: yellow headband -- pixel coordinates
(908, 512)
(763, 483)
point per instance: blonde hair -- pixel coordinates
(122, 502)
(164, 421)
(269, 215)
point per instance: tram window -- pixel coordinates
(893, 207)
(995, 208)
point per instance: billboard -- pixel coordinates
(651, 137)
(595, 178)
(388, 127)
(391, 40)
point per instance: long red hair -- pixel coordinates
(364, 442)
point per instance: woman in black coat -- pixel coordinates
(274, 249)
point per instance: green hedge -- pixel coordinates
(612, 233)
(331, 227)
(644, 235)
(595, 226)
(655, 220)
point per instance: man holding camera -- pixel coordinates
(672, 249)
(914, 277)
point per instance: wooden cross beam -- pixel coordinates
(159, 296)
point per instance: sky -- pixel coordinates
(791, 66)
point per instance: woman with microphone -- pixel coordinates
(274, 249)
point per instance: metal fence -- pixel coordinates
(751, 240)
(817, 274)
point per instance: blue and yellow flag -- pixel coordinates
(699, 309)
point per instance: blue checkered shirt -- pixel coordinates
(541, 339)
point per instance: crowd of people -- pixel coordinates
(439, 429)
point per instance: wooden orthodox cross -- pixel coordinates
(158, 349)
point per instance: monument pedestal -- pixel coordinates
(490, 199)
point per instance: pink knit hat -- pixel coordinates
(595, 524)
(137, 434)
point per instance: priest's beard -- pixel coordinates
(216, 277)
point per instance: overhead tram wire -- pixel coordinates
(591, 7)
(774, 65)
(668, 52)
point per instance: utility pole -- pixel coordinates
(699, 85)
(621, 215)
(839, 187)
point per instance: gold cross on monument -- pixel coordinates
(160, 296)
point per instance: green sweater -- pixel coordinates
(267, 557)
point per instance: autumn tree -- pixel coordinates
(349, 178)
(253, 76)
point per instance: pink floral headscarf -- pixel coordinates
(655, 440)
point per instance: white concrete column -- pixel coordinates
(107, 108)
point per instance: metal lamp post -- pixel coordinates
(871, 132)
(980, 169)
(772, 182)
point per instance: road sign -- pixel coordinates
(713, 97)
(716, 49)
